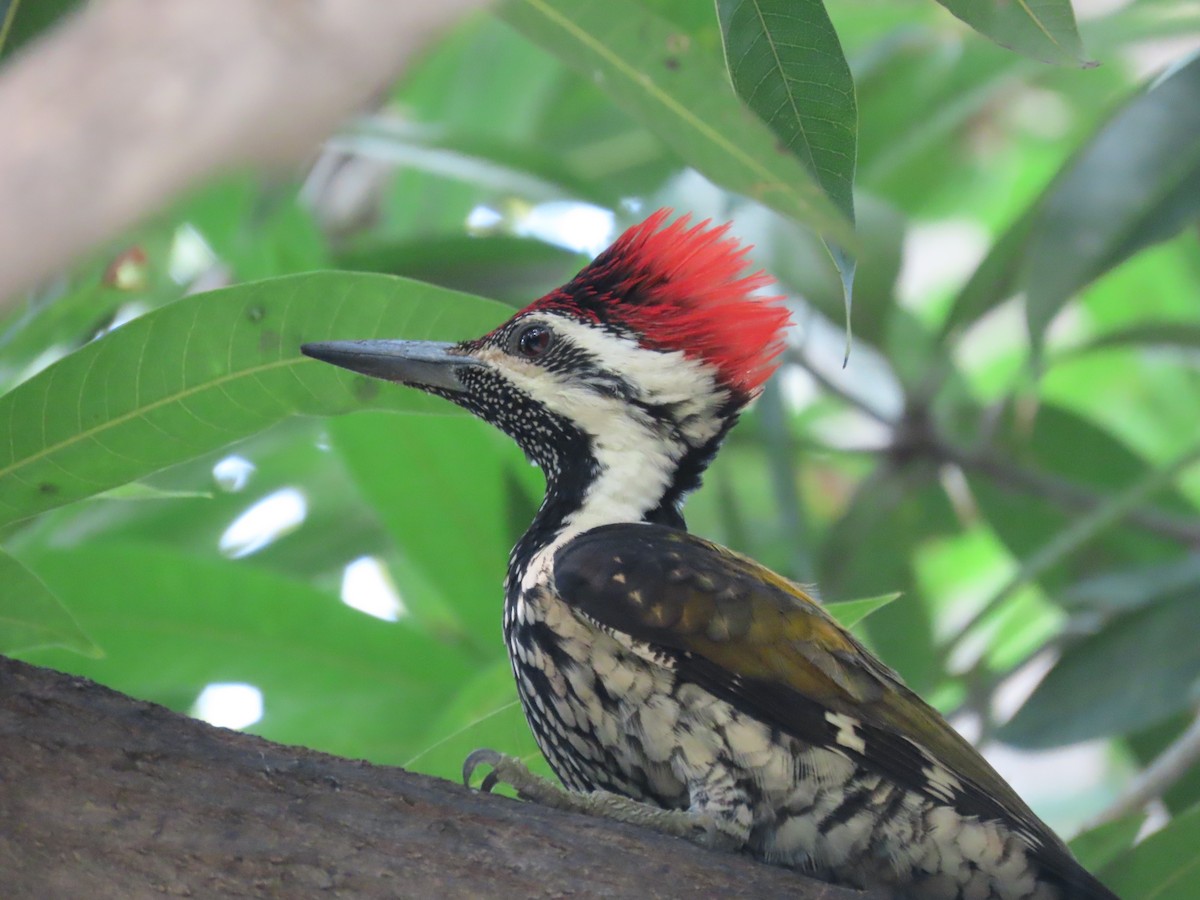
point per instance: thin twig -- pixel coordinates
(1082, 531)
(1067, 494)
(1153, 781)
(831, 387)
(1185, 529)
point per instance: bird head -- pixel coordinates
(641, 362)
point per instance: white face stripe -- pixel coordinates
(636, 456)
(662, 377)
(688, 386)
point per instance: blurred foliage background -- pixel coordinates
(1011, 446)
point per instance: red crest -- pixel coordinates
(682, 287)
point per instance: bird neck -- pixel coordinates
(621, 476)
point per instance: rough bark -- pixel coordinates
(104, 796)
(133, 101)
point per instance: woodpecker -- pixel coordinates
(669, 680)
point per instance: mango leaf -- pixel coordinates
(1136, 183)
(870, 550)
(328, 525)
(1090, 694)
(1125, 590)
(1165, 866)
(484, 712)
(850, 612)
(1043, 29)
(1146, 334)
(23, 20)
(1088, 534)
(788, 66)
(994, 279)
(433, 481)
(256, 231)
(204, 372)
(31, 616)
(511, 269)
(919, 91)
(1098, 846)
(678, 89)
(1137, 213)
(331, 677)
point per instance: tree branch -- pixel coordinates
(1066, 494)
(133, 101)
(104, 796)
(1070, 495)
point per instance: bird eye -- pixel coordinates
(532, 341)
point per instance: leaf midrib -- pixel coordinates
(138, 412)
(651, 87)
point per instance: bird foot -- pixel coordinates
(511, 771)
(699, 828)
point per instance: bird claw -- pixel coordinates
(511, 771)
(489, 781)
(484, 756)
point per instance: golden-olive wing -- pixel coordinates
(756, 639)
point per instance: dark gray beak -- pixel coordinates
(421, 364)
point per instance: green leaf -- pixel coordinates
(1098, 846)
(1165, 866)
(1117, 152)
(921, 93)
(31, 616)
(1090, 692)
(797, 259)
(484, 712)
(485, 86)
(787, 65)
(257, 231)
(506, 268)
(1137, 182)
(332, 678)
(433, 481)
(994, 279)
(1043, 29)
(532, 174)
(23, 20)
(1129, 589)
(292, 456)
(870, 550)
(850, 612)
(677, 89)
(1146, 334)
(207, 371)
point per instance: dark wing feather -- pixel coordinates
(754, 638)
